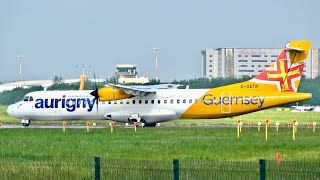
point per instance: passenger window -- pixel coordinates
(165, 101)
(109, 102)
(30, 98)
(152, 101)
(159, 101)
(178, 101)
(114, 102)
(146, 101)
(184, 101)
(171, 101)
(196, 101)
(133, 101)
(127, 102)
(190, 101)
(140, 101)
(121, 102)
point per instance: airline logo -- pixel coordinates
(70, 103)
(210, 99)
(283, 73)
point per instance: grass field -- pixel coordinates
(162, 143)
(50, 153)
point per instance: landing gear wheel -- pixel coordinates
(151, 125)
(143, 121)
(25, 124)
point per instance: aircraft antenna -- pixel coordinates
(157, 57)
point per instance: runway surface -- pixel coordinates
(17, 126)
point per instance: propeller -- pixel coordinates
(95, 92)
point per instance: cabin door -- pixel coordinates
(226, 102)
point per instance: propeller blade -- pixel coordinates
(95, 92)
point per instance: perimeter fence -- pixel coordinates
(30, 167)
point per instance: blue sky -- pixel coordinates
(55, 36)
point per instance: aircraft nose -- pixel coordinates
(10, 110)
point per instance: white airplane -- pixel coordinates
(303, 108)
(275, 86)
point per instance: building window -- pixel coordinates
(259, 65)
(252, 65)
(210, 70)
(210, 61)
(273, 60)
(265, 56)
(274, 55)
(259, 61)
(255, 55)
(243, 65)
(210, 65)
(246, 70)
(210, 55)
(243, 61)
(239, 55)
(266, 65)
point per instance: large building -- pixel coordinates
(240, 62)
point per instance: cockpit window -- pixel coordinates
(26, 98)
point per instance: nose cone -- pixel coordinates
(10, 110)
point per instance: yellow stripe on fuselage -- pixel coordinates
(241, 98)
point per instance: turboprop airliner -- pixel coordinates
(275, 86)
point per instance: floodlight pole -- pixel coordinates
(20, 57)
(157, 56)
(83, 66)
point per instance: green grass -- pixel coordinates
(27, 153)
(162, 143)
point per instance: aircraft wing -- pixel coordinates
(135, 91)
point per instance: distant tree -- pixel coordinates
(57, 80)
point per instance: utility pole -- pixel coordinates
(157, 56)
(83, 66)
(20, 57)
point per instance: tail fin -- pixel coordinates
(284, 75)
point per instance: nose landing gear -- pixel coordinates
(25, 123)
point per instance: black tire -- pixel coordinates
(25, 124)
(151, 125)
(143, 121)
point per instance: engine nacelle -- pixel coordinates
(112, 93)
